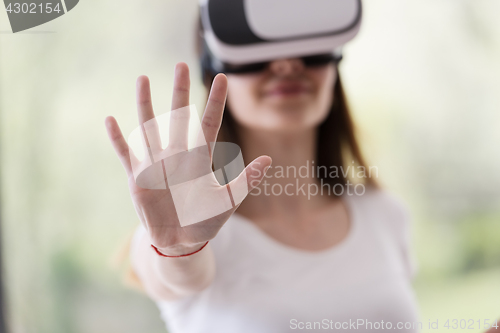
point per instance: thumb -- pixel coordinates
(256, 171)
(249, 178)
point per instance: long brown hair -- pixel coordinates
(337, 145)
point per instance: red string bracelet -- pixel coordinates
(182, 255)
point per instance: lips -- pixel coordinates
(287, 89)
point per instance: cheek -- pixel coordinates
(242, 96)
(324, 79)
(238, 92)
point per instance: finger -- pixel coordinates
(179, 129)
(212, 117)
(146, 114)
(119, 144)
(179, 118)
(253, 174)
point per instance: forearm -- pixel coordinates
(172, 278)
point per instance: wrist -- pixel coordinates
(179, 250)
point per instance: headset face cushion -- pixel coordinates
(249, 31)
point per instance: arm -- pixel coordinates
(172, 278)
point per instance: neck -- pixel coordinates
(293, 157)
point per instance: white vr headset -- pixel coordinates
(244, 35)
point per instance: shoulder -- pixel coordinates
(391, 220)
(383, 203)
(385, 210)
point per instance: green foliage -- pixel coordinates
(479, 241)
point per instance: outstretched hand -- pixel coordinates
(155, 207)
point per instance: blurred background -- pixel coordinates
(423, 79)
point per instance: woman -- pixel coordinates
(276, 262)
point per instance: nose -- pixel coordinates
(286, 66)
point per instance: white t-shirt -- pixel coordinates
(362, 284)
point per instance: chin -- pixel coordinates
(298, 101)
(293, 119)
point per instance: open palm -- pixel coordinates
(165, 204)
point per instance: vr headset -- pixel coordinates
(242, 36)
